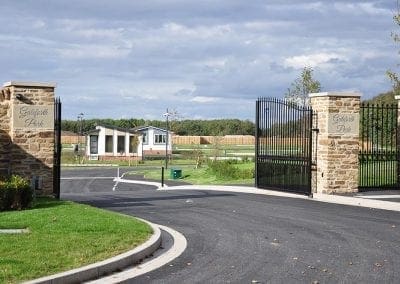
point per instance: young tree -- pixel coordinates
(302, 86)
(393, 76)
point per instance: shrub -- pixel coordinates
(226, 169)
(15, 193)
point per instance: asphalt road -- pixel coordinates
(244, 238)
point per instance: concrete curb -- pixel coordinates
(102, 268)
(357, 201)
(179, 246)
(144, 182)
(334, 199)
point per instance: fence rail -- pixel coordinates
(379, 147)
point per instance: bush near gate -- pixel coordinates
(226, 169)
(15, 193)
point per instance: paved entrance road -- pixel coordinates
(243, 238)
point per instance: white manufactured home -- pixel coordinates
(110, 142)
(155, 141)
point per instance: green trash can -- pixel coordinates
(176, 173)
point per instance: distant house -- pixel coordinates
(154, 141)
(111, 142)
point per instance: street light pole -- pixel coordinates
(80, 121)
(167, 114)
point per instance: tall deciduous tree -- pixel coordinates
(302, 86)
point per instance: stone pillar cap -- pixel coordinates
(29, 84)
(335, 94)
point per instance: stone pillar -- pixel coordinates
(5, 139)
(31, 132)
(337, 144)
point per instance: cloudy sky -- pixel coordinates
(203, 58)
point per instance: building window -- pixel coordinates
(109, 144)
(133, 143)
(159, 139)
(121, 144)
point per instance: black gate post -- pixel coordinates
(57, 148)
(310, 150)
(256, 142)
(397, 133)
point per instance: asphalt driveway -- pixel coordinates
(243, 238)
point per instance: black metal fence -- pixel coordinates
(57, 148)
(379, 147)
(283, 145)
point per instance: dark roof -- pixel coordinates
(130, 130)
(92, 131)
(141, 128)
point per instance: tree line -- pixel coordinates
(216, 127)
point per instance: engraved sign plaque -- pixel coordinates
(33, 117)
(343, 123)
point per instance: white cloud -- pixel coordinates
(156, 90)
(100, 33)
(202, 100)
(362, 8)
(88, 51)
(311, 60)
(206, 58)
(88, 29)
(268, 25)
(38, 24)
(199, 32)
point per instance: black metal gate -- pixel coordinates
(283, 145)
(57, 148)
(379, 147)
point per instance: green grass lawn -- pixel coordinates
(182, 155)
(63, 235)
(199, 176)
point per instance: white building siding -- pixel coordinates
(150, 147)
(101, 143)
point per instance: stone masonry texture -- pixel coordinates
(26, 152)
(337, 154)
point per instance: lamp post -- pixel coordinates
(80, 121)
(167, 114)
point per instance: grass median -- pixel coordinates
(63, 235)
(226, 174)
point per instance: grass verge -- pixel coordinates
(199, 176)
(63, 235)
